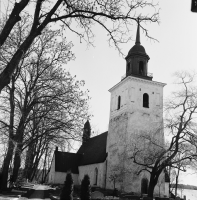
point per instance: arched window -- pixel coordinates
(144, 186)
(119, 102)
(145, 100)
(95, 176)
(141, 68)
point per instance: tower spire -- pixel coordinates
(86, 131)
(137, 41)
(137, 59)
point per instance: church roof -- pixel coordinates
(65, 161)
(91, 152)
(137, 49)
(87, 125)
(94, 150)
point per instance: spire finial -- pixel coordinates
(138, 32)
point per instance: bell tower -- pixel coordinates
(136, 107)
(137, 60)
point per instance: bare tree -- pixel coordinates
(40, 84)
(117, 175)
(180, 166)
(180, 111)
(77, 16)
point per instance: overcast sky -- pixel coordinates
(102, 67)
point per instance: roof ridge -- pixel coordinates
(65, 152)
(99, 134)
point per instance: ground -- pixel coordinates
(33, 192)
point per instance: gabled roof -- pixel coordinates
(65, 161)
(94, 150)
(91, 152)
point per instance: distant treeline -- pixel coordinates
(182, 186)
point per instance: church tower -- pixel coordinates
(86, 132)
(136, 107)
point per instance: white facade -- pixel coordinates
(125, 123)
(131, 90)
(136, 109)
(128, 119)
(138, 118)
(96, 172)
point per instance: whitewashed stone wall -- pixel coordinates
(90, 170)
(167, 187)
(60, 177)
(131, 91)
(130, 120)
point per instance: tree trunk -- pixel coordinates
(33, 172)
(12, 65)
(17, 161)
(39, 149)
(44, 165)
(19, 138)
(35, 167)
(46, 175)
(12, 20)
(151, 189)
(152, 184)
(6, 164)
(9, 154)
(28, 162)
(176, 184)
(35, 31)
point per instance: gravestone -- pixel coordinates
(97, 195)
(147, 198)
(131, 197)
(134, 198)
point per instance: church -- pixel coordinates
(136, 106)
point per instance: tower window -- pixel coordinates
(119, 102)
(145, 100)
(141, 68)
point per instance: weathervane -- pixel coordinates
(137, 41)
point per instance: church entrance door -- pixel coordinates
(144, 186)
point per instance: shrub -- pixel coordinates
(67, 190)
(85, 188)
